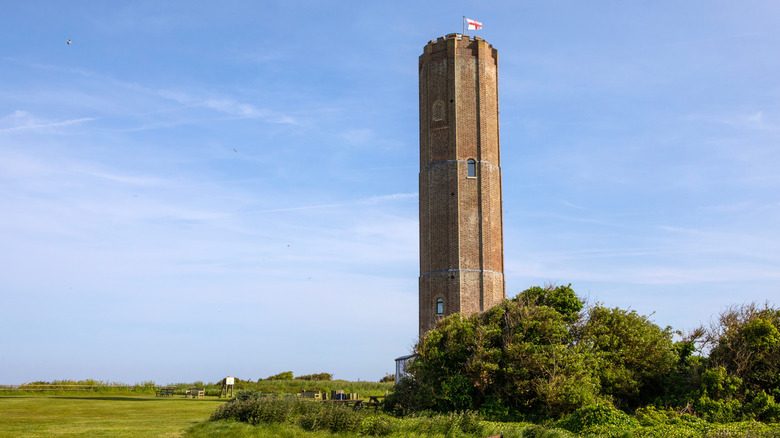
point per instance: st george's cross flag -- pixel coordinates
(474, 24)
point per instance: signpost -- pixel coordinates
(227, 386)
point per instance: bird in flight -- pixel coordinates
(234, 150)
(68, 42)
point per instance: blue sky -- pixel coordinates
(198, 189)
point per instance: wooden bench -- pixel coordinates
(164, 392)
(195, 392)
(374, 401)
(355, 404)
(316, 395)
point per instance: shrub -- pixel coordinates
(635, 355)
(651, 416)
(408, 396)
(316, 377)
(335, 418)
(518, 356)
(448, 424)
(388, 378)
(492, 409)
(763, 408)
(746, 342)
(587, 419)
(287, 375)
(561, 298)
(376, 425)
(247, 394)
(262, 410)
(718, 410)
(309, 415)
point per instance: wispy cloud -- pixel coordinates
(373, 200)
(391, 197)
(125, 179)
(212, 101)
(751, 120)
(646, 274)
(228, 106)
(22, 120)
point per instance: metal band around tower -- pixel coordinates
(460, 161)
(460, 270)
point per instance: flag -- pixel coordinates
(474, 24)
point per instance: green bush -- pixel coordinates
(250, 408)
(447, 424)
(408, 396)
(635, 356)
(295, 386)
(718, 410)
(262, 410)
(561, 298)
(332, 417)
(492, 409)
(286, 375)
(247, 394)
(763, 407)
(746, 342)
(536, 431)
(388, 378)
(601, 415)
(376, 425)
(316, 377)
(651, 416)
(519, 356)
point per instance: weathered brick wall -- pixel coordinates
(461, 231)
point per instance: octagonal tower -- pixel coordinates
(461, 226)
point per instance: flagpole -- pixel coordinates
(464, 25)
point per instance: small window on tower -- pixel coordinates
(440, 306)
(472, 168)
(438, 111)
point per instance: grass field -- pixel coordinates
(101, 415)
(132, 415)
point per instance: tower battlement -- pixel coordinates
(466, 45)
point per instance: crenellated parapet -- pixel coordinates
(459, 44)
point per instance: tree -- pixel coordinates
(634, 354)
(388, 378)
(745, 341)
(518, 356)
(561, 298)
(286, 375)
(316, 377)
(539, 356)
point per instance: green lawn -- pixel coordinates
(114, 415)
(132, 415)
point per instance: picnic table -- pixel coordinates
(311, 394)
(356, 404)
(374, 401)
(164, 392)
(195, 392)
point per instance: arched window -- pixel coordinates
(471, 171)
(438, 111)
(440, 306)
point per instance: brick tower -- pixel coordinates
(461, 229)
